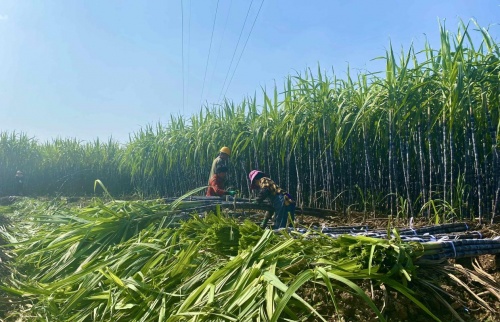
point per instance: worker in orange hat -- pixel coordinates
(222, 160)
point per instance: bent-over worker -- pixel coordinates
(282, 202)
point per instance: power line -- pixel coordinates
(234, 53)
(234, 71)
(209, 49)
(188, 53)
(220, 46)
(182, 53)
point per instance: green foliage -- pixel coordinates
(124, 260)
(423, 129)
(63, 167)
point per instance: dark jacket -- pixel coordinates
(218, 162)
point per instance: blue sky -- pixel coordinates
(89, 69)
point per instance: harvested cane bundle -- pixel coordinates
(460, 248)
(438, 229)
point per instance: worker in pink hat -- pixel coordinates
(282, 202)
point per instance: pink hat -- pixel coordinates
(253, 174)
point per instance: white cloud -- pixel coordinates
(4, 17)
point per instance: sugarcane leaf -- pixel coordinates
(358, 291)
(289, 292)
(406, 292)
(324, 275)
(370, 260)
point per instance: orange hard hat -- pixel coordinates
(225, 150)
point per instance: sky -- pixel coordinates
(90, 69)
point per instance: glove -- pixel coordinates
(231, 192)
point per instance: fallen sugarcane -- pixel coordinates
(434, 247)
(460, 248)
(201, 204)
(437, 229)
(446, 241)
(158, 260)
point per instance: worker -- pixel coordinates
(282, 202)
(19, 183)
(221, 160)
(216, 183)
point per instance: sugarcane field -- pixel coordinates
(357, 196)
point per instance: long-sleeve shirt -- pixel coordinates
(216, 186)
(218, 162)
(269, 189)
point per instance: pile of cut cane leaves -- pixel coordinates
(148, 261)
